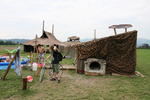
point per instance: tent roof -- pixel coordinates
(47, 38)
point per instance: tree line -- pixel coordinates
(8, 42)
(144, 46)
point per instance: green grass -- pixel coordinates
(67, 61)
(80, 87)
(10, 45)
(13, 85)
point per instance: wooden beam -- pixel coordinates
(125, 30)
(53, 29)
(35, 46)
(9, 66)
(139, 74)
(115, 31)
(43, 26)
(95, 34)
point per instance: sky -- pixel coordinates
(22, 19)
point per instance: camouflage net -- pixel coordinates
(119, 52)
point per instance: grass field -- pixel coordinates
(80, 87)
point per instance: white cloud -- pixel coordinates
(23, 18)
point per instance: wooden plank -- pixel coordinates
(115, 31)
(9, 66)
(139, 74)
(115, 74)
(68, 67)
(120, 26)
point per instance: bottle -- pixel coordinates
(34, 67)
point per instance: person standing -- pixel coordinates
(41, 52)
(56, 58)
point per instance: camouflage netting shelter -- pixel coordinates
(119, 51)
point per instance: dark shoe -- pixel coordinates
(58, 81)
(53, 79)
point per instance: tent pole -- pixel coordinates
(43, 26)
(95, 34)
(53, 29)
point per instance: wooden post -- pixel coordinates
(43, 26)
(125, 30)
(9, 66)
(53, 29)
(35, 47)
(36, 43)
(115, 31)
(31, 59)
(24, 86)
(76, 58)
(95, 34)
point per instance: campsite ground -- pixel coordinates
(80, 87)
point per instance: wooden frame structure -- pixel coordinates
(120, 26)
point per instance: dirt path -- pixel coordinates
(72, 87)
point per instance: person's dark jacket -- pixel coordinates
(55, 57)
